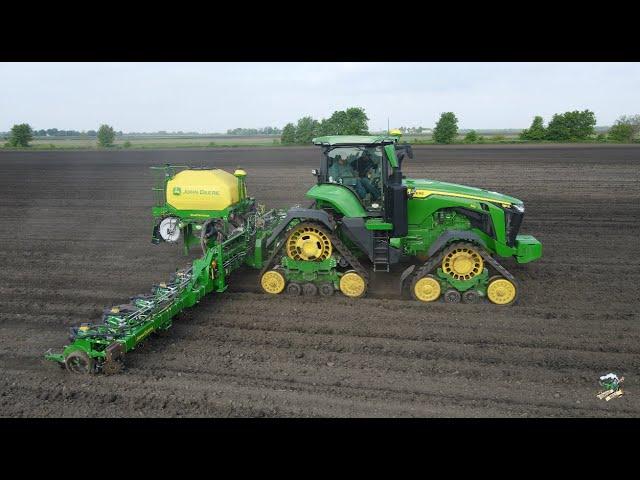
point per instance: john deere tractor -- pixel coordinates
(367, 216)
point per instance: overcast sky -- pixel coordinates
(213, 97)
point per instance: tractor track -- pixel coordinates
(76, 239)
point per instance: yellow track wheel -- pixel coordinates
(427, 289)
(272, 282)
(308, 242)
(462, 263)
(352, 284)
(501, 291)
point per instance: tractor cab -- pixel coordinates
(360, 176)
(358, 168)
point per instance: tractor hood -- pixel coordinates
(422, 188)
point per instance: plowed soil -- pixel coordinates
(75, 238)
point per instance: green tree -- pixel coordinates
(535, 132)
(471, 137)
(106, 136)
(625, 129)
(446, 129)
(356, 122)
(621, 132)
(306, 129)
(288, 134)
(352, 121)
(571, 126)
(20, 135)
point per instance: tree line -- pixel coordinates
(574, 126)
(254, 131)
(352, 121)
(54, 132)
(571, 126)
(22, 134)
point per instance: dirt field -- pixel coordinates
(76, 238)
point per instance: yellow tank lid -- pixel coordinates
(395, 131)
(240, 173)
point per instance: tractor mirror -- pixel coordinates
(315, 172)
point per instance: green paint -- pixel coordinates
(479, 282)
(456, 189)
(378, 224)
(315, 272)
(391, 155)
(339, 197)
(527, 249)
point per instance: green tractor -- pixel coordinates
(367, 216)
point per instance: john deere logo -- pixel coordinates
(177, 190)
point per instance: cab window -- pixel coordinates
(360, 169)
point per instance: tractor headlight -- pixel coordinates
(519, 208)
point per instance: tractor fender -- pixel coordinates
(450, 235)
(303, 214)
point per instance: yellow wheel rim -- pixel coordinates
(501, 291)
(352, 284)
(272, 282)
(427, 289)
(463, 263)
(309, 243)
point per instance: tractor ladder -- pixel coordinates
(380, 251)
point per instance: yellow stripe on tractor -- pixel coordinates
(427, 193)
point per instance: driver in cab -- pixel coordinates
(341, 170)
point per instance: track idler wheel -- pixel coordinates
(294, 289)
(501, 291)
(309, 290)
(352, 284)
(426, 289)
(452, 296)
(273, 282)
(80, 362)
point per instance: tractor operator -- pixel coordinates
(340, 169)
(362, 185)
(363, 166)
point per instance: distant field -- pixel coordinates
(209, 141)
(160, 142)
(488, 137)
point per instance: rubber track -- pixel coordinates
(335, 241)
(435, 260)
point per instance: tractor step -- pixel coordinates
(380, 251)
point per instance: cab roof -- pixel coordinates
(368, 140)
